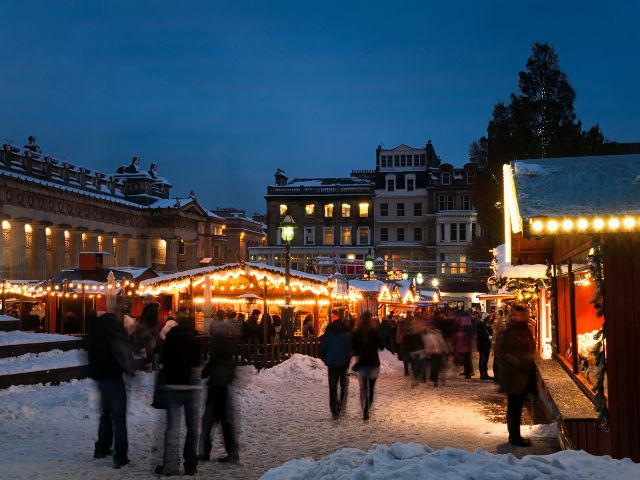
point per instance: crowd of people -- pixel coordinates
(425, 341)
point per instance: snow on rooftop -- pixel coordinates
(573, 186)
(506, 270)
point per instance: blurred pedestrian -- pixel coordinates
(366, 343)
(335, 348)
(436, 350)
(516, 350)
(483, 337)
(180, 357)
(110, 356)
(463, 342)
(308, 329)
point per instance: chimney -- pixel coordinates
(280, 177)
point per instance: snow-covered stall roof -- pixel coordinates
(573, 186)
(506, 270)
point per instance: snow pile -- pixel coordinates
(17, 337)
(389, 362)
(410, 461)
(297, 368)
(32, 362)
(7, 318)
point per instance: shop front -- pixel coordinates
(581, 217)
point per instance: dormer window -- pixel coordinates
(471, 175)
(445, 178)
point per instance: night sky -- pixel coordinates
(220, 94)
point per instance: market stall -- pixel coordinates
(243, 287)
(581, 216)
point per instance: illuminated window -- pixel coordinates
(48, 239)
(84, 242)
(345, 235)
(283, 210)
(67, 242)
(327, 234)
(309, 209)
(28, 236)
(100, 243)
(364, 209)
(346, 210)
(6, 225)
(328, 210)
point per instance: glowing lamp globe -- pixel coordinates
(419, 278)
(287, 228)
(368, 264)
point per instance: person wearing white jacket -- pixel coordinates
(435, 349)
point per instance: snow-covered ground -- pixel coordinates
(48, 431)
(32, 362)
(414, 461)
(17, 337)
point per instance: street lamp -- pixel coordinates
(369, 264)
(435, 282)
(419, 279)
(287, 232)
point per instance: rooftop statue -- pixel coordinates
(32, 145)
(133, 168)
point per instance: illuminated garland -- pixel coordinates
(552, 299)
(526, 289)
(599, 351)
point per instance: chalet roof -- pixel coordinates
(574, 186)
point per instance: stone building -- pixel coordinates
(51, 210)
(241, 233)
(334, 219)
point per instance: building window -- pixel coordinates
(67, 242)
(216, 251)
(384, 209)
(462, 232)
(446, 178)
(363, 209)
(100, 243)
(474, 232)
(400, 209)
(391, 184)
(466, 202)
(383, 161)
(403, 161)
(411, 183)
(327, 236)
(396, 160)
(446, 202)
(442, 233)
(309, 235)
(453, 232)
(328, 210)
(384, 234)
(400, 234)
(283, 210)
(309, 209)
(48, 239)
(346, 210)
(409, 160)
(182, 248)
(417, 234)
(422, 159)
(84, 242)
(471, 175)
(417, 209)
(6, 233)
(345, 235)
(363, 236)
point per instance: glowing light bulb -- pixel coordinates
(598, 224)
(629, 222)
(614, 223)
(537, 226)
(567, 225)
(552, 225)
(583, 223)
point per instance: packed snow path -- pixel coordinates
(48, 432)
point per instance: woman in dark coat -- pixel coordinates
(366, 343)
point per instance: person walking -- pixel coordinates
(149, 322)
(308, 330)
(483, 337)
(414, 348)
(251, 329)
(463, 341)
(220, 370)
(498, 326)
(110, 356)
(180, 356)
(366, 343)
(335, 348)
(516, 350)
(436, 350)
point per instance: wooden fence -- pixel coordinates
(262, 355)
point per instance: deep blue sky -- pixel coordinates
(222, 93)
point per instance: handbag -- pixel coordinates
(159, 393)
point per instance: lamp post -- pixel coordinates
(435, 283)
(287, 232)
(369, 264)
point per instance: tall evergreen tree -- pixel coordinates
(538, 122)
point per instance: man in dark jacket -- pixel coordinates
(109, 356)
(335, 347)
(516, 349)
(149, 322)
(221, 371)
(484, 335)
(180, 356)
(251, 330)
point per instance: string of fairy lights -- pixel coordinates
(69, 289)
